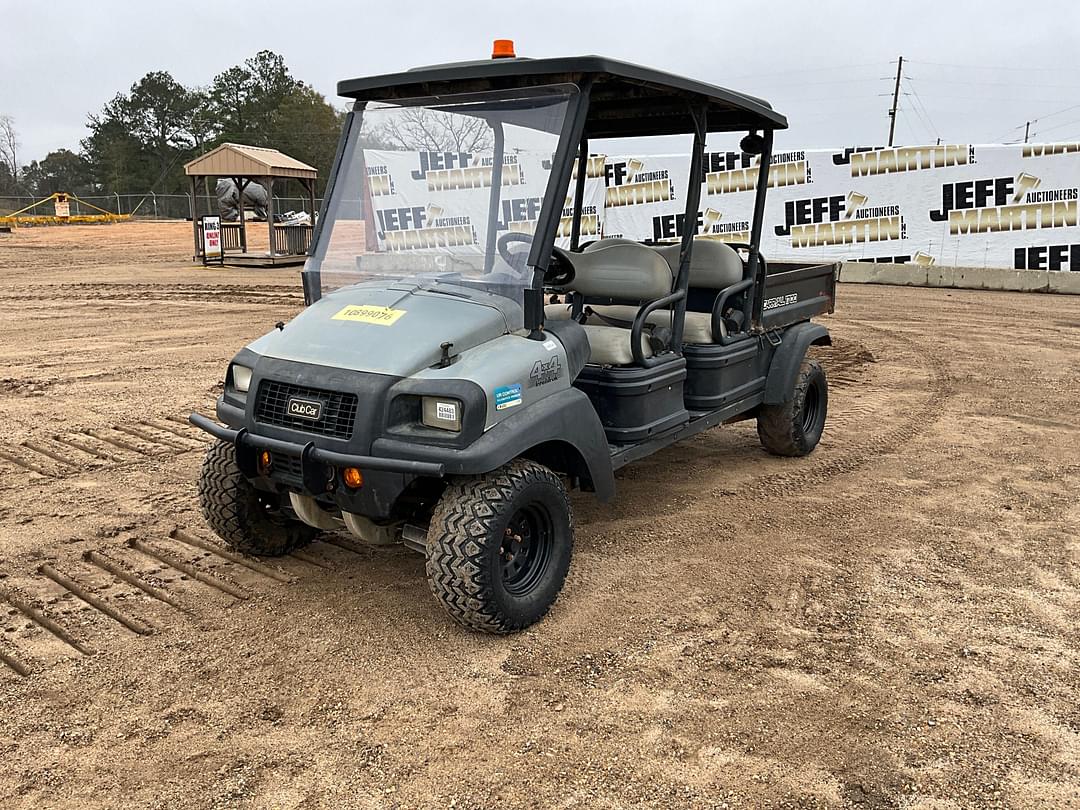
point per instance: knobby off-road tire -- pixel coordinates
(794, 427)
(499, 547)
(248, 520)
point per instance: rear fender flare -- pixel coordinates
(786, 360)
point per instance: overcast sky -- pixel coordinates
(977, 70)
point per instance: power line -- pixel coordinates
(1056, 112)
(984, 67)
(1057, 126)
(919, 103)
(802, 71)
(980, 83)
(982, 98)
(909, 121)
(828, 81)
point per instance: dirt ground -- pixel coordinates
(890, 622)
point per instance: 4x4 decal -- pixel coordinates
(544, 372)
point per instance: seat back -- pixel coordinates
(623, 271)
(713, 265)
(615, 240)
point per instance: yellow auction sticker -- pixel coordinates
(383, 316)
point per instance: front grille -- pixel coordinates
(288, 467)
(338, 409)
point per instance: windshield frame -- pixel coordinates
(554, 195)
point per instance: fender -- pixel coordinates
(789, 356)
(565, 418)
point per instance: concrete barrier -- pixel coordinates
(962, 278)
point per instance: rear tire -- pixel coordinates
(499, 547)
(794, 428)
(248, 520)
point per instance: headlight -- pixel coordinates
(241, 378)
(442, 413)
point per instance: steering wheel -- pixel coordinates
(560, 270)
(516, 259)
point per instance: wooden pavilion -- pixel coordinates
(243, 164)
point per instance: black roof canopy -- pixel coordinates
(626, 100)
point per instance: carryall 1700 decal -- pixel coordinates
(780, 301)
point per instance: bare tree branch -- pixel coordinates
(9, 145)
(435, 131)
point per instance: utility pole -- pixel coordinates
(895, 99)
(1027, 129)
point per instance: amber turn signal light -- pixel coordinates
(503, 49)
(265, 461)
(353, 478)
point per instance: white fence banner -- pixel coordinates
(956, 204)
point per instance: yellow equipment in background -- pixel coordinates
(61, 213)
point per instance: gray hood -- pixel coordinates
(390, 329)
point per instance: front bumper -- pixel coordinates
(310, 453)
(306, 469)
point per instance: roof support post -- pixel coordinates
(755, 268)
(573, 132)
(494, 196)
(579, 193)
(689, 229)
(558, 181)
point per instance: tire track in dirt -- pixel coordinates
(61, 455)
(140, 587)
(872, 419)
(917, 421)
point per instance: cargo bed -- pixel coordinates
(797, 291)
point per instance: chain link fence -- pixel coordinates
(146, 206)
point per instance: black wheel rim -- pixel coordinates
(811, 407)
(526, 549)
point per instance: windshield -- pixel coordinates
(446, 191)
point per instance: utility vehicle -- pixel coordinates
(448, 396)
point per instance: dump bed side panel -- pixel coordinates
(796, 292)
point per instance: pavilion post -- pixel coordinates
(195, 213)
(241, 184)
(311, 229)
(270, 211)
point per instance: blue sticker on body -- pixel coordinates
(507, 396)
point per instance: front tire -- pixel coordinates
(499, 547)
(248, 520)
(794, 428)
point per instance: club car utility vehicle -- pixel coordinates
(456, 373)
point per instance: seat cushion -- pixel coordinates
(697, 328)
(610, 346)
